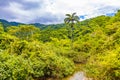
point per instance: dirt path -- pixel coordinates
(78, 76)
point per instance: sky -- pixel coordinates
(53, 11)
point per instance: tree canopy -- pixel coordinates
(28, 52)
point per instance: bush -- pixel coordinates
(38, 65)
(51, 65)
(104, 66)
(14, 67)
(6, 40)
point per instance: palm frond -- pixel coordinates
(76, 17)
(71, 18)
(68, 15)
(73, 14)
(66, 20)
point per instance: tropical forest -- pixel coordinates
(58, 51)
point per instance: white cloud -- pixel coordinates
(17, 10)
(59, 8)
(82, 7)
(32, 0)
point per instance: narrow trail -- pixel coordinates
(79, 76)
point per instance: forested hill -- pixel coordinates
(7, 24)
(54, 26)
(41, 26)
(92, 46)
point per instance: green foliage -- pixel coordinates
(1, 28)
(51, 65)
(14, 67)
(24, 32)
(104, 66)
(28, 53)
(48, 33)
(18, 47)
(99, 21)
(36, 66)
(6, 40)
(115, 18)
(70, 21)
(112, 28)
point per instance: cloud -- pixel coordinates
(48, 18)
(53, 11)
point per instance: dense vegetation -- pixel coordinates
(31, 53)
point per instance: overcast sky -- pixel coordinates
(53, 11)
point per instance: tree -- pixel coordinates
(1, 28)
(71, 19)
(24, 32)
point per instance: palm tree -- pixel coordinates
(71, 19)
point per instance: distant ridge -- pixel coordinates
(41, 26)
(8, 24)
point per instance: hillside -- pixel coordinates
(28, 52)
(41, 26)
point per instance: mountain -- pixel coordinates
(41, 26)
(8, 24)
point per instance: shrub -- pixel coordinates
(51, 65)
(38, 65)
(14, 67)
(104, 66)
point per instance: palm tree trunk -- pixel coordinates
(72, 36)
